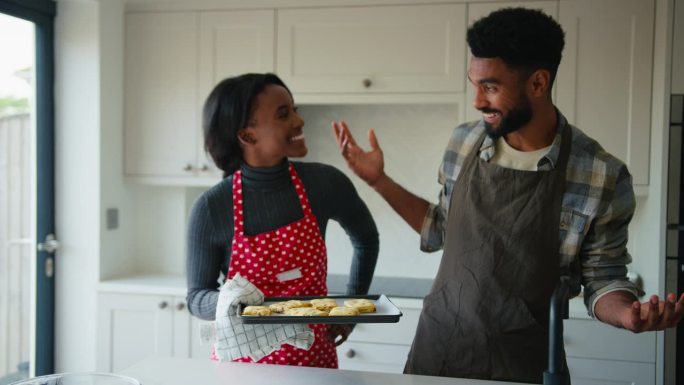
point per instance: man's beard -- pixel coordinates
(513, 121)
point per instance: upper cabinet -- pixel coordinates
(604, 81)
(233, 43)
(160, 124)
(376, 50)
(373, 54)
(173, 60)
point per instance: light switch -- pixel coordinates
(112, 216)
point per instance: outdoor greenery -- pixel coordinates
(10, 105)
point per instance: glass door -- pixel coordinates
(26, 189)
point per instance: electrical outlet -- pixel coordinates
(112, 219)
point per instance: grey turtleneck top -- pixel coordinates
(270, 202)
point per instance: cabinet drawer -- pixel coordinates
(386, 358)
(602, 372)
(592, 339)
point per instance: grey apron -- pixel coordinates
(486, 316)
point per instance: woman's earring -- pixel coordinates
(246, 138)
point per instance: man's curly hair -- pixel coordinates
(525, 39)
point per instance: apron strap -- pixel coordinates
(300, 190)
(238, 214)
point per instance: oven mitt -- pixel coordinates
(234, 339)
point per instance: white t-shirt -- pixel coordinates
(509, 157)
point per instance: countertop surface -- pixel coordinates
(184, 371)
(396, 288)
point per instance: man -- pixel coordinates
(526, 199)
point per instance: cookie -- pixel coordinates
(257, 310)
(280, 307)
(362, 305)
(343, 311)
(305, 311)
(324, 304)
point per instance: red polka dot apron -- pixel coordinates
(260, 258)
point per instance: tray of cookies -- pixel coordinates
(332, 309)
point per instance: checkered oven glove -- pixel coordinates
(234, 339)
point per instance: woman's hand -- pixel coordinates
(368, 165)
(339, 333)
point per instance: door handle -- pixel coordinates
(49, 245)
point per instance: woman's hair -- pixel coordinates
(525, 39)
(227, 110)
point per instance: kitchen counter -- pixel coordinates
(412, 289)
(183, 371)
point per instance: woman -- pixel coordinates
(251, 130)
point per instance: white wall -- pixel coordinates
(116, 250)
(77, 96)
(413, 138)
(88, 95)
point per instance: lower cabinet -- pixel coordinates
(596, 353)
(382, 347)
(372, 357)
(602, 372)
(132, 327)
(601, 354)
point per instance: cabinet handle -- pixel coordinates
(204, 168)
(188, 167)
(163, 304)
(350, 353)
(180, 306)
(367, 83)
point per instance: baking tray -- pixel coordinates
(386, 312)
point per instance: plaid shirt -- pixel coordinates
(598, 204)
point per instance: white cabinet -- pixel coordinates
(602, 372)
(160, 125)
(596, 353)
(604, 81)
(388, 49)
(599, 354)
(382, 347)
(233, 43)
(132, 327)
(173, 60)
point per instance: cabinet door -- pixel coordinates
(373, 49)
(160, 133)
(182, 328)
(371, 357)
(198, 349)
(479, 10)
(131, 328)
(231, 43)
(234, 43)
(590, 339)
(602, 372)
(186, 333)
(604, 81)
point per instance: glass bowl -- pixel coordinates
(79, 379)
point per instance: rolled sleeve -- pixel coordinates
(604, 255)
(432, 232)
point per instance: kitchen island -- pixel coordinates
(184, 371)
